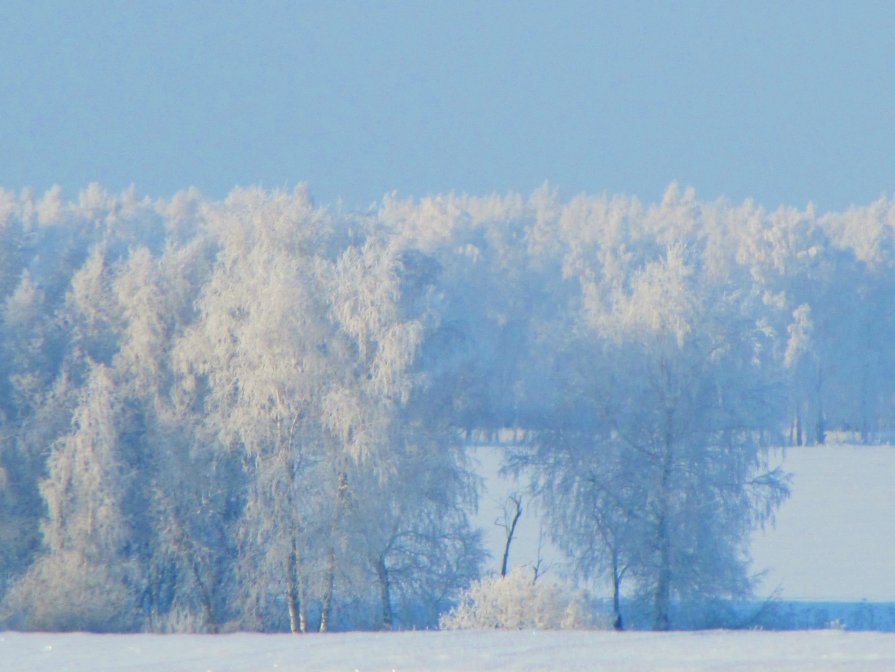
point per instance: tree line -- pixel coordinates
(254, 413)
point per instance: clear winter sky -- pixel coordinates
(781, 101)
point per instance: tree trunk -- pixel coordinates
(511, 531)
(820, 428)
(385, 593)
(203, 582)
(295, 592)
(302, 602)
(329, 587)
(617, 623)
(152, 592)
(662, 595)
(326, 602)
(295, 584)
(205, 596)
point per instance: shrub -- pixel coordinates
(516, 602)
(65, 592)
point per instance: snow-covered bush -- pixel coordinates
(65, 591)
(516, 602)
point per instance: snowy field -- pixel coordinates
(835, 537)
(443, 651)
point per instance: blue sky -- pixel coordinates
(784, 102)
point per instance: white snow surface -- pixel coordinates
(834, 539)
(449, 651)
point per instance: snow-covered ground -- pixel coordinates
(443, 651)
(834, 539)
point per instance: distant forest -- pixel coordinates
(254, 413)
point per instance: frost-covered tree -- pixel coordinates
(86, 579)
(405, 501)
(408, 519)
(36, 409)
(272, 399)
(257, 361)
(188, 495)
(664, 478)
(590, 487)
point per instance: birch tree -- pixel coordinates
(669, 478)
(257, 362)
(409, 490)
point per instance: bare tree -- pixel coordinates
(512, 512)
